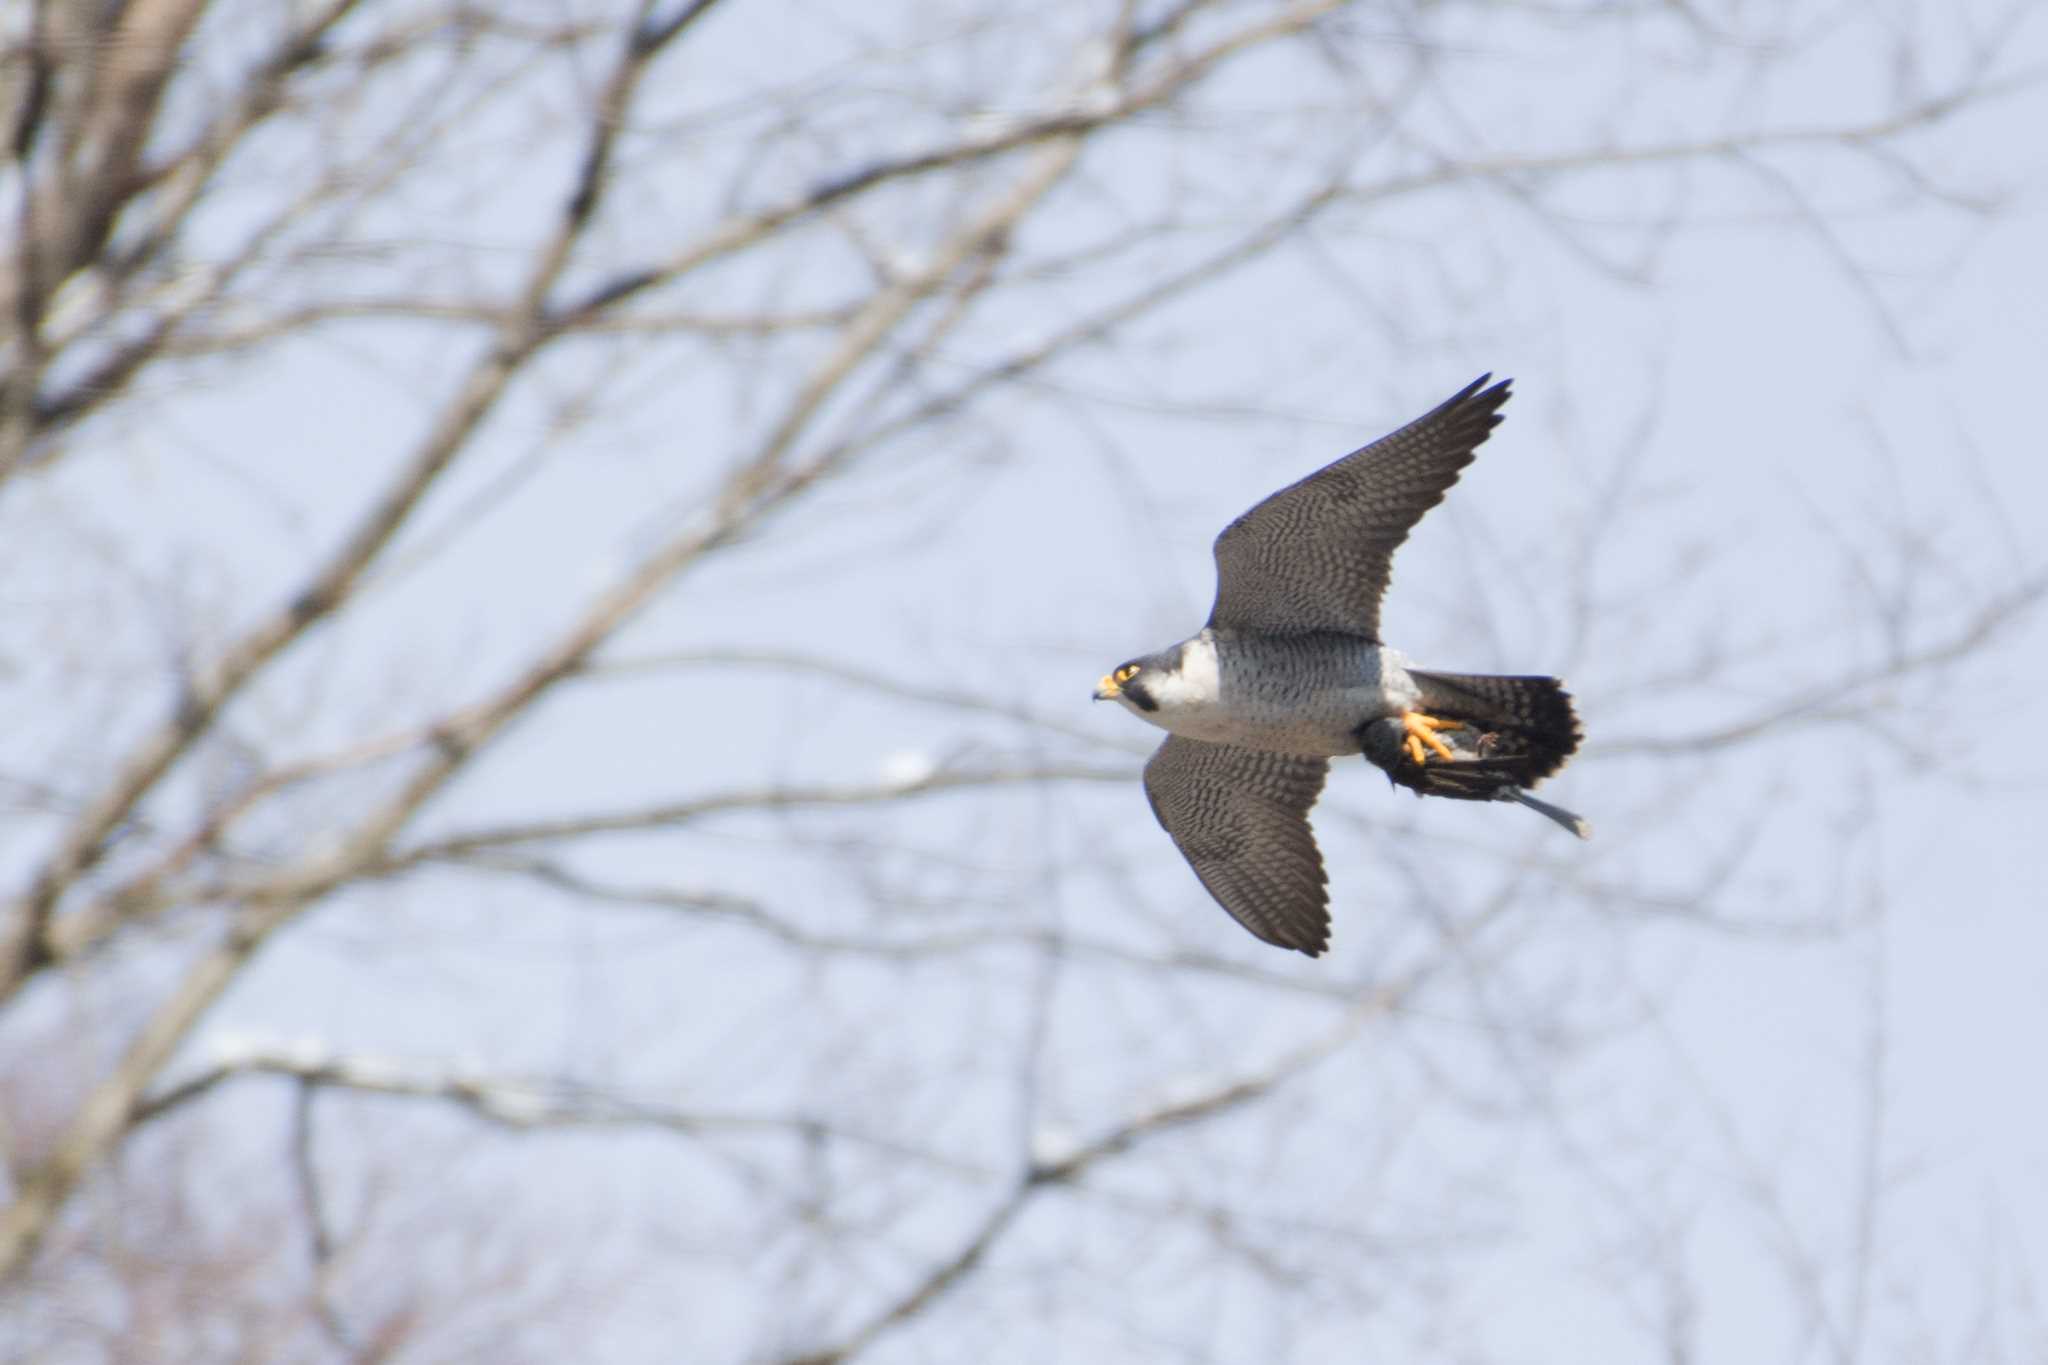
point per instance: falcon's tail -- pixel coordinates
(1512, 733)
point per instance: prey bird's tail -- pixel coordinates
(1509, 733)
(1564, 818)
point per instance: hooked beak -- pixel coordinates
(1107, 689)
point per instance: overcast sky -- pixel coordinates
(1787, 1003)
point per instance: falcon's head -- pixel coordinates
(1131, 682)
(1166, 679)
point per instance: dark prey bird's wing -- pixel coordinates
(1241, 818)
(1316, 554)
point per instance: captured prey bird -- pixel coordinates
(1290, 672)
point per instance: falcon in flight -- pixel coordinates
(1289, 673)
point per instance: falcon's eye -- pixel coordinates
(1126, 673)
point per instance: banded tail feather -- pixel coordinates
(1512, 733)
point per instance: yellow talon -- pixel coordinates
(1422, 730)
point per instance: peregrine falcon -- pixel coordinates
(1290, 672)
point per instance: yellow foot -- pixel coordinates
(1422, 730)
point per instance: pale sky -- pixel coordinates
(1653, 1080)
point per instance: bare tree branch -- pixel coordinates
(517, 1103)
(603, 317)
(1836, 701)
(1069, 1167)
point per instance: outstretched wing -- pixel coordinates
(1316, 554)
(1240, 816)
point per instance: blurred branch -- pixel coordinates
(488, 315)
(1070, 1167)
(1065, 126)
(868, 680)
(24, 947)
(755, 490)
(91, 124)
(517, 1104)
(82, 176)
(313, 1209)
(103, 1117)
(920, 944)
(1831, 702)
(678, 813)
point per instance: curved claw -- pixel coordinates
(1422, 730)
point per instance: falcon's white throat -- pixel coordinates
(1194, 687)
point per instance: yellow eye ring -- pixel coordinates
(1126, 673)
